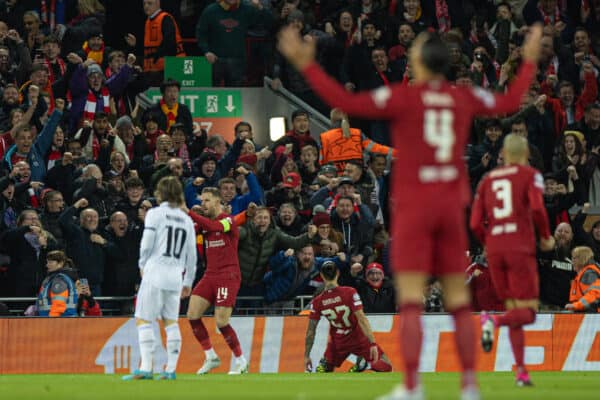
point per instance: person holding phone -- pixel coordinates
(87, 306)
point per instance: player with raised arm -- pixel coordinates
(349, 328)
(431, 124)
(220, 283)
(507, 211)
(168, 266)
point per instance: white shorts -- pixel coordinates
(154, 303)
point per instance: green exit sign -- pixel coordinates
(189, 71)
(208, 103)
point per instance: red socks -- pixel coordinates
(465, 339)
(411, 337)
(516, 317)
(200, 333)
(517, 342)
(231, 339)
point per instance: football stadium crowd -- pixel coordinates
(80, 158)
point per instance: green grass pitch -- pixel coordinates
(548, 386)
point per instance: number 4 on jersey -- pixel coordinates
(439, 133)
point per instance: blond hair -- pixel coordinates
(169, 189)
(89, 7)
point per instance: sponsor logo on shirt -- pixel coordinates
(215, 243)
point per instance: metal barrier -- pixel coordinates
(113, 305)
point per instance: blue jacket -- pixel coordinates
(41, 146)
(44, 302)
(278, 281)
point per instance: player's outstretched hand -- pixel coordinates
(547, 244)
(532, 46)
(374, 352)
(308, 364)
(299, 52)
(186, 292)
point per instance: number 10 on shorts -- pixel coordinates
(221, 293)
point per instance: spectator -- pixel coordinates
(555, 270)
(364, 184)
(96, 137)
(239, 202)
(54, 205)
(55, 65)
(290, 275)
(169, 110)
(309, 165)
(356, 231)
(558, 199)
(589, 125)
(377, 166)
(91, 91)
(88, 249)
(14, 70)
(482, 158)
(519, 127)
(586, 229)
(130, 206)
(91, 18)
(399, 53)
(585, 288)
(289, 221)
(290, 191)
(483, 293)
(328, 241)
(87, 306)
(8, 207)
(223, 44)
(93, 188)
(27, 246)
(122, 272)
(375, 289)
(259, 240)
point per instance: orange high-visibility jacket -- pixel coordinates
(585, 289)
(153, 37)
(337, 149)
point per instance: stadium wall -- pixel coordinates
(555, 342)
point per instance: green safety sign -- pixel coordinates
(208, 103)
(189, 71)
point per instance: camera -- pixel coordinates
(479, 57)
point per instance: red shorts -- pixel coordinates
(337, 352)
(218, 292)
(432, 240)
(514, 275)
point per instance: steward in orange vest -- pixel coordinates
(342, 144)
(585, 288)
(161, 38)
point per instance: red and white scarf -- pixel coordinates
(50, 20)
(61, 65)
(442, 15)
(548, 18)
(90, 105)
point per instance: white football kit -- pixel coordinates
(167, 262)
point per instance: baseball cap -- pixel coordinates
(292, 180)
(346, 181)
(328, 169)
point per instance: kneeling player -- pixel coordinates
(349, 331)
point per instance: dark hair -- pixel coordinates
(49, 195)
(435, 54)
(100, 115)
(59, 256)
(213, 191)
(329, 270)
(134, 182)
(564, 84)
(349, 198)
(170, 82)
(518, 121)
(505, 4)
(374, 156)
(176, 126)
(298, 113)
(242, 123)
(51, 39)
(38, 67)
(592, 106)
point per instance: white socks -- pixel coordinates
(210, 354)
(146, 339)
(173, 346)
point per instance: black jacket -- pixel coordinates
(122, 272)
(376, 301)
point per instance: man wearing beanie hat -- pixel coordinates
(375, 289)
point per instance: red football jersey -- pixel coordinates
(338, 306)
(508, 207)
(221, 237)
(430, 127)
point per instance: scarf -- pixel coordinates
(51, 75)
(184, 155)
(89, 110)
(442, 15)
(51, 19)
(384, 78)
(550, 19)
(171, 113)
(96, 55)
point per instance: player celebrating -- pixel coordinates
(349, 330)
(431, 124)
(508, 206)
(220, 283)
(167, 252)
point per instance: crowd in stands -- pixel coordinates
(81, 159)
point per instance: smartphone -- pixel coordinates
(84, 282)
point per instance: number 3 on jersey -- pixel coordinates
(503, 190)
(439, 133)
